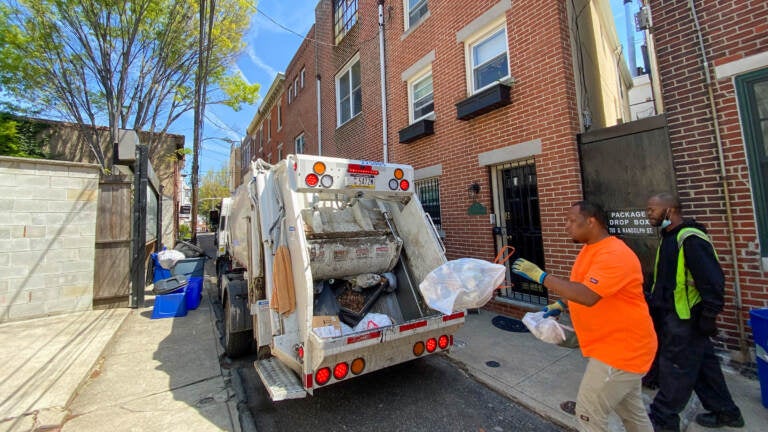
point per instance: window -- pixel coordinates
(421, 97)
(290, 90)
(428, 191)
(344, 17)
(280, 151)
(295, 87)
(269, 128)
(299, 144)
(416, 9)
(279, 117)
(261, 135)
(752, 91)
(348, 92)
(302, 77)
(488, 59)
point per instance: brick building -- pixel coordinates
(713, 75)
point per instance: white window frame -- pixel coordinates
(279, 117)
(347, 69)
(344, 17)
(478, 38)
(295, 87)
(411, 100)
(290, 88)
(301, 74)
(269, 128)
(407, 13)
(302, 139)
(280, 151)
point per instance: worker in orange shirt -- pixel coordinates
(610, 317)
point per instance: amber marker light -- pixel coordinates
(418, 348)
(319, 168)
(399, 173)
(358, 366)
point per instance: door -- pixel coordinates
(518, 224)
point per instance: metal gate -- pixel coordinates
(518, 224)
(622, 166)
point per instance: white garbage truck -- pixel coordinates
(322, 269)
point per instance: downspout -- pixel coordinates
(728, 212)
(319, 120)
(383, 82)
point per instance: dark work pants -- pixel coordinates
(687, 363)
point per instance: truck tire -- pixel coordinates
(236, 344)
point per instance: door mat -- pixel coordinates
(509, 324)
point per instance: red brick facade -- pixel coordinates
(731, 31)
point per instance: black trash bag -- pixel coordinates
(189, 250)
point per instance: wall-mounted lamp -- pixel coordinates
(473, 191)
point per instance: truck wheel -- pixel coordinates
(235, 344)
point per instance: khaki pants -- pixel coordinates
(605, 389)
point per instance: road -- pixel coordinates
(427, 394)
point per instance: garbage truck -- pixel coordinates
(321, 272)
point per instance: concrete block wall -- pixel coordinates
(47, 237)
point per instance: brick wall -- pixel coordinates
(731, 31)
(47, 237)
(543, 107)
(300, 116)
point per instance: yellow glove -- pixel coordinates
(554, 309)
(528, 270)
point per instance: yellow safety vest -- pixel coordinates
(686, 295)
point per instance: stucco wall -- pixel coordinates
(47, 237)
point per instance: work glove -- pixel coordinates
(707, 324)
(555, 309)
(528, 270)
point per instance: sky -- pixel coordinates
(269, 49)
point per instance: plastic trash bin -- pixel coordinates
(194, 292)
(158, 272)
(758, 320)
(190, 267)
(170, 305)
(170, 285)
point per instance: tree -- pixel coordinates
(213, 187)
(133, 64)
(21, 138)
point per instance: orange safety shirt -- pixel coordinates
(616, 330)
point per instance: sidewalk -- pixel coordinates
(119, 370)
(540, 376)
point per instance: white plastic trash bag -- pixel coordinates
(460, 284)
(546, 329)
(373, 320)
(167, 258)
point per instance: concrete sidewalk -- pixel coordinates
(541, 376)
(119, 370)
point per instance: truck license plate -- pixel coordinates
(366, 182)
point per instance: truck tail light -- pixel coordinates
(399, 173)
(323, 376)
(405, 184)
(319, 168)
(341, 370)
(418, 348)
(358, 365)
(312, 179)
(431, 344)
(442, 342)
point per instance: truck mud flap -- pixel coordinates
(279, 380)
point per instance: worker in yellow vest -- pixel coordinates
(686, 296)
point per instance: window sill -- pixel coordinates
(411, 29)
(483, 102)
(421, 128)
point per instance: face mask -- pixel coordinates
(666, 222)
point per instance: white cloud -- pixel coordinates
(269, 70)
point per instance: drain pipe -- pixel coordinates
(728, 212)
(383, 82)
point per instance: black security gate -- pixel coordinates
(519, 225)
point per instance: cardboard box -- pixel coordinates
(326, 326)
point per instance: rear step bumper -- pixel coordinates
(280, 381)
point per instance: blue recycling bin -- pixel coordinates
(758, 320)
(158, 272)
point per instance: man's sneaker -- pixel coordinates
(716, 420)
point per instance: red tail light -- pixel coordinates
(431, 345)
(404, 185)
(340, 370)
(323, 376)
(361, 169)
(312, 179)
(442, 342)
